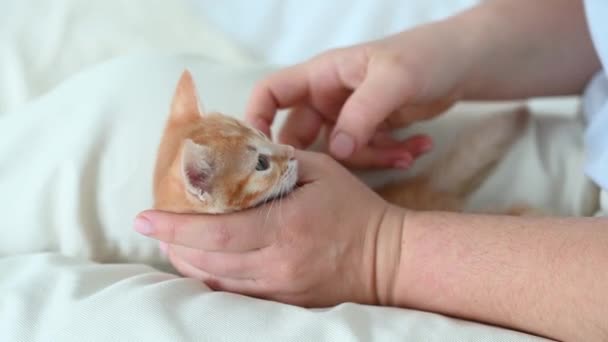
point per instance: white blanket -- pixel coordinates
(75, 167)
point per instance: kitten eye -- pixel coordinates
(263, 163)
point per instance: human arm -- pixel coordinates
(500, 49)
(544, 275)
(529, 49)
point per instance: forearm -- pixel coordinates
(524, 49)
(541, 275)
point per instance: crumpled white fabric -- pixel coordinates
(44, 42)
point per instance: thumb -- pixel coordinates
(383, 91)
(313, 165)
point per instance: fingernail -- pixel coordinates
(342, 145)
(163, 247)
(403, 163)
(143, 226)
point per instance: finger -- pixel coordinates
(280, 90)
(313, 166)
(382, 92)
(301, 127)
(370, 158)
(249, 287)
(384, 138)
(416, 145)
(331, 77)
(230, 265)
(399, 154)
(239, 232)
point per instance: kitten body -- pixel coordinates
(212, 163)
(448, 182)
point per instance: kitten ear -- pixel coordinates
(186, 106)
(197, 169)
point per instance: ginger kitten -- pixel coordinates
(212, 163)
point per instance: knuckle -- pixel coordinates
(331, 53)
(388, 59)
(351, 67)
(389, 62)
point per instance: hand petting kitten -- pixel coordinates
(316, 247)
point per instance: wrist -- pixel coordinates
(389, 234)
(455, 47)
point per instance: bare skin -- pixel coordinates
(542, 275)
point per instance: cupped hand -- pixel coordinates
(362, 93)
(325, 243)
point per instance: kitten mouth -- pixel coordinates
(286, 184)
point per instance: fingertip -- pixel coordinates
(143, 225)
(342, 145)
(404, 162)
(150, 214)
(426, 145)
(420, 145)
(261, 112)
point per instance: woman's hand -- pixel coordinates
(363, 92)
(331, 240)
(496, 51)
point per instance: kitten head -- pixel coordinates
(219, 164)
